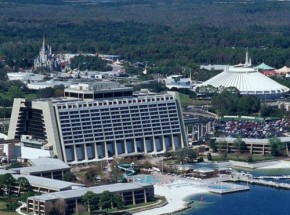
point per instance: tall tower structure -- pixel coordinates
(102, 121)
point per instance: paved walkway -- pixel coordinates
(18, 210)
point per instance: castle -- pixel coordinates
(46, 58)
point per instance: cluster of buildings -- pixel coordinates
(45, 178)
(100, 120)
(90, 123)
(61, 73)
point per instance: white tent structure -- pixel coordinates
(283, 71)
(248, 81)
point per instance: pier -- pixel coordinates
(262, 182)
(224, 188)
(273, 177)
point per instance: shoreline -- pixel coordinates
(177, 191)
(282, 164)
(176, 194)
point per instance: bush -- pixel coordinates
(12, 206)
(209, 157)
(200, 159)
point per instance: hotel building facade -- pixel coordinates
(101, 121)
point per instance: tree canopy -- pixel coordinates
(276, 146)
(232, 103)
(82, 63)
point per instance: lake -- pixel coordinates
(259, 200)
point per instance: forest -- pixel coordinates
(169, 34)
(172, 36)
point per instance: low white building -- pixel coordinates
(46, 84)
(177, 81)
(24, 76)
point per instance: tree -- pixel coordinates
(180, 154)
(68, 176)
(106, 200)
(23, 184)
(248, 104)
(46, 92)
(25, 195)
(239, 145)
(191, 154)
(209, 157)
(91, 201)
(167, 154)
(117, 201)
(15, 165)
(213, 145)
(275, 146)
(222, 146)
(6, 182)
(15, 92)
(82, 63)
(147, 165)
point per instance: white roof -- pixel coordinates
(51, 83)
(246, 80)
(43, 165)
(118, 187)
(213, 67)
(25, 76)
(48, 183)
(49, 162)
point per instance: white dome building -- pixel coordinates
(248, 81)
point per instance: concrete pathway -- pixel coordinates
(18, 210)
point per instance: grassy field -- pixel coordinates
(242, 157)
(3, 207)
(185, 101)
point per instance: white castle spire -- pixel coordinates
(247, 58)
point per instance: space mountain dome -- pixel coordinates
(248, 81)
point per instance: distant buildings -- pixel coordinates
(177, 81)
(24, 76)
(99, 121)
(46, 58)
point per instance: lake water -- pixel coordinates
(259, 200)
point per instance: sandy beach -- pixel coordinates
(175, 193)
(278, 165)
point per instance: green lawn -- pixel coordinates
(3, 207)
(185, 101)
(242, 157)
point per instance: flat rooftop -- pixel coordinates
(42, 165)
(69, 194)
(48, 183)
